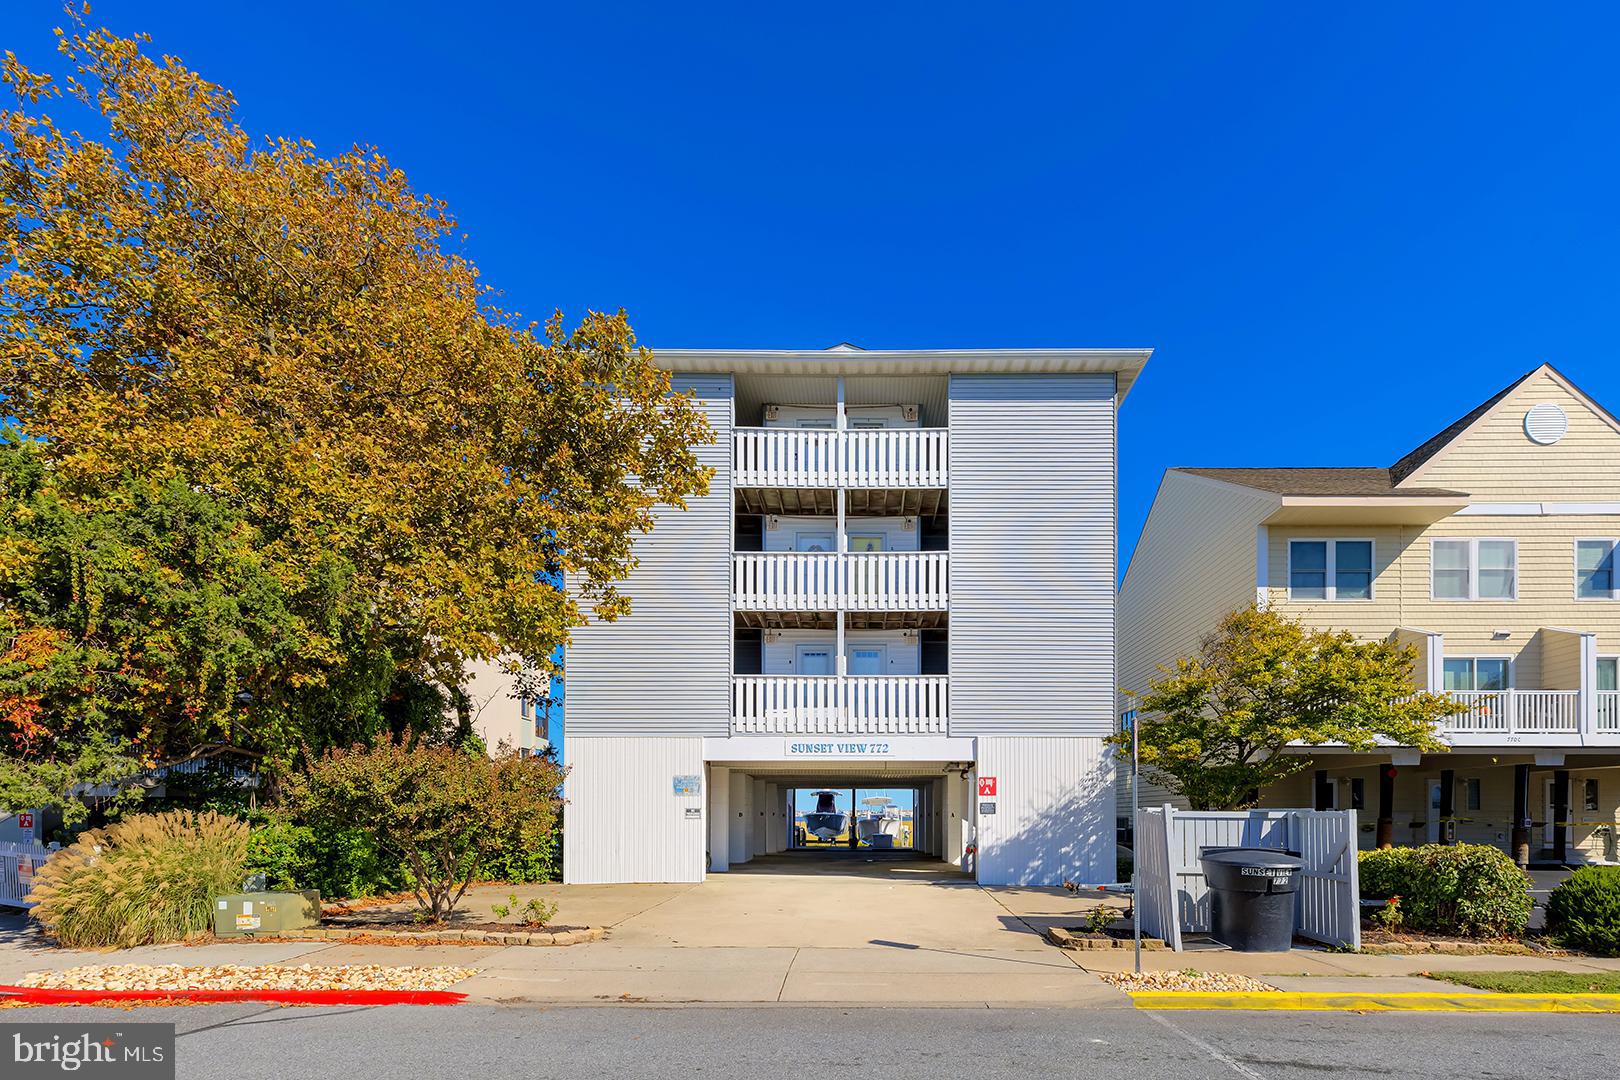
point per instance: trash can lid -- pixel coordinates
(1265, 858)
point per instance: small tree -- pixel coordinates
(439, 809)
(1216, 728)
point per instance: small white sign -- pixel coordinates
(693, 813)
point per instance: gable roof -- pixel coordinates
(1442, 438)
(1372, 481)
(1350, 481)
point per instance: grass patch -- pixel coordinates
(1535, 982)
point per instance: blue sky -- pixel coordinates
(1340, 228)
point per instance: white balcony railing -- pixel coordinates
(1515, 712)
(857, 581)
(856, 705)
(1608, 712)
(816, 457)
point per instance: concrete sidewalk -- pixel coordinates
(783, 930)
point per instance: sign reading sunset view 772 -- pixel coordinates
(852, 748)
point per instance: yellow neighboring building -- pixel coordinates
(1490, 549)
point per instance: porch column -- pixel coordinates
(719, 819)
(955, 803)
(1324, 790)
(1560, 813)
(1521, 815)
(741, 790)
(1386, 806)
(1448, 804)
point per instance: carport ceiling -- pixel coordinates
(842, 774)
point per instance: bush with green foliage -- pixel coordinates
(441, 811)
(1584, 911)
(1466, 890)
(341, 862)
(147, 879)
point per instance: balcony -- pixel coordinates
(1514, 712)
(855, 581)
(876, 458)
(853, 705)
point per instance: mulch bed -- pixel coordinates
(1078, 937)
(1407, 944)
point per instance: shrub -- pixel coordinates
(439, 810)
(147, 879)
(1584, 912)
(342, 862)
(1469, 890)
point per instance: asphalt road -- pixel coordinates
(496, 1043)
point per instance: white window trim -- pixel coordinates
(1473, 543)
(1512, 670)
(1575, 556)
(1333, 543)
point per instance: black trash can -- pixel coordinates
(1251, 897)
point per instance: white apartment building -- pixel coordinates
(902, 576)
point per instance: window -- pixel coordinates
(1471, 793)
(1358, 793)
(866, 543)
(1608, 673)
(1330, 569)
(1589, 795)
(1469, 673)
(1474, 570)
(1594, 569)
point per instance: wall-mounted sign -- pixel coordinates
(987, 787)
(694, 812)
(804, 748)
(688, 785)
(986, 808)
(25, 820)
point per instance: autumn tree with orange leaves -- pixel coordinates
(378, 472)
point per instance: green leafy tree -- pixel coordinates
(365, 470)
(440, 810)
(1218, 727)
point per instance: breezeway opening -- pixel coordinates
(911, 816)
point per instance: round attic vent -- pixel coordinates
(1545, 423)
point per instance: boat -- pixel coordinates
(880, 824)
(826, 821)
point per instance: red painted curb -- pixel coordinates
(37, 995)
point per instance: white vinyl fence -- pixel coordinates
(19, 862)
(1174, 899)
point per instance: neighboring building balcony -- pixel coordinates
(875, 458)
(853, 581)
(848, 705)
(1575, 705)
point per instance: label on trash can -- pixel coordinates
(1281, 873)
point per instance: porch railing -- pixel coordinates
(856, 581)
(854, 705)
(816, 457)
(1515, 712)
(1608, 712)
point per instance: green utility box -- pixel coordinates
(247, 914)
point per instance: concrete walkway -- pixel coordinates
(829, 928)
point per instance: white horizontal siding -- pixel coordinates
(624, 821)
(1054, 817)
(1033, 550)
(665, 669)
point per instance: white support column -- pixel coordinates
(1587, 700)
(741, 842)
(760, 824)
(954, 809)
(719, 819)
(773, 819)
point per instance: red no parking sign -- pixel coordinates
(987, 787)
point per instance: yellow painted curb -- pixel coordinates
(1375, 1002)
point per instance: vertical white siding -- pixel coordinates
(666, 668)
(1054, 815)
(1033, 554)
(624, 821)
